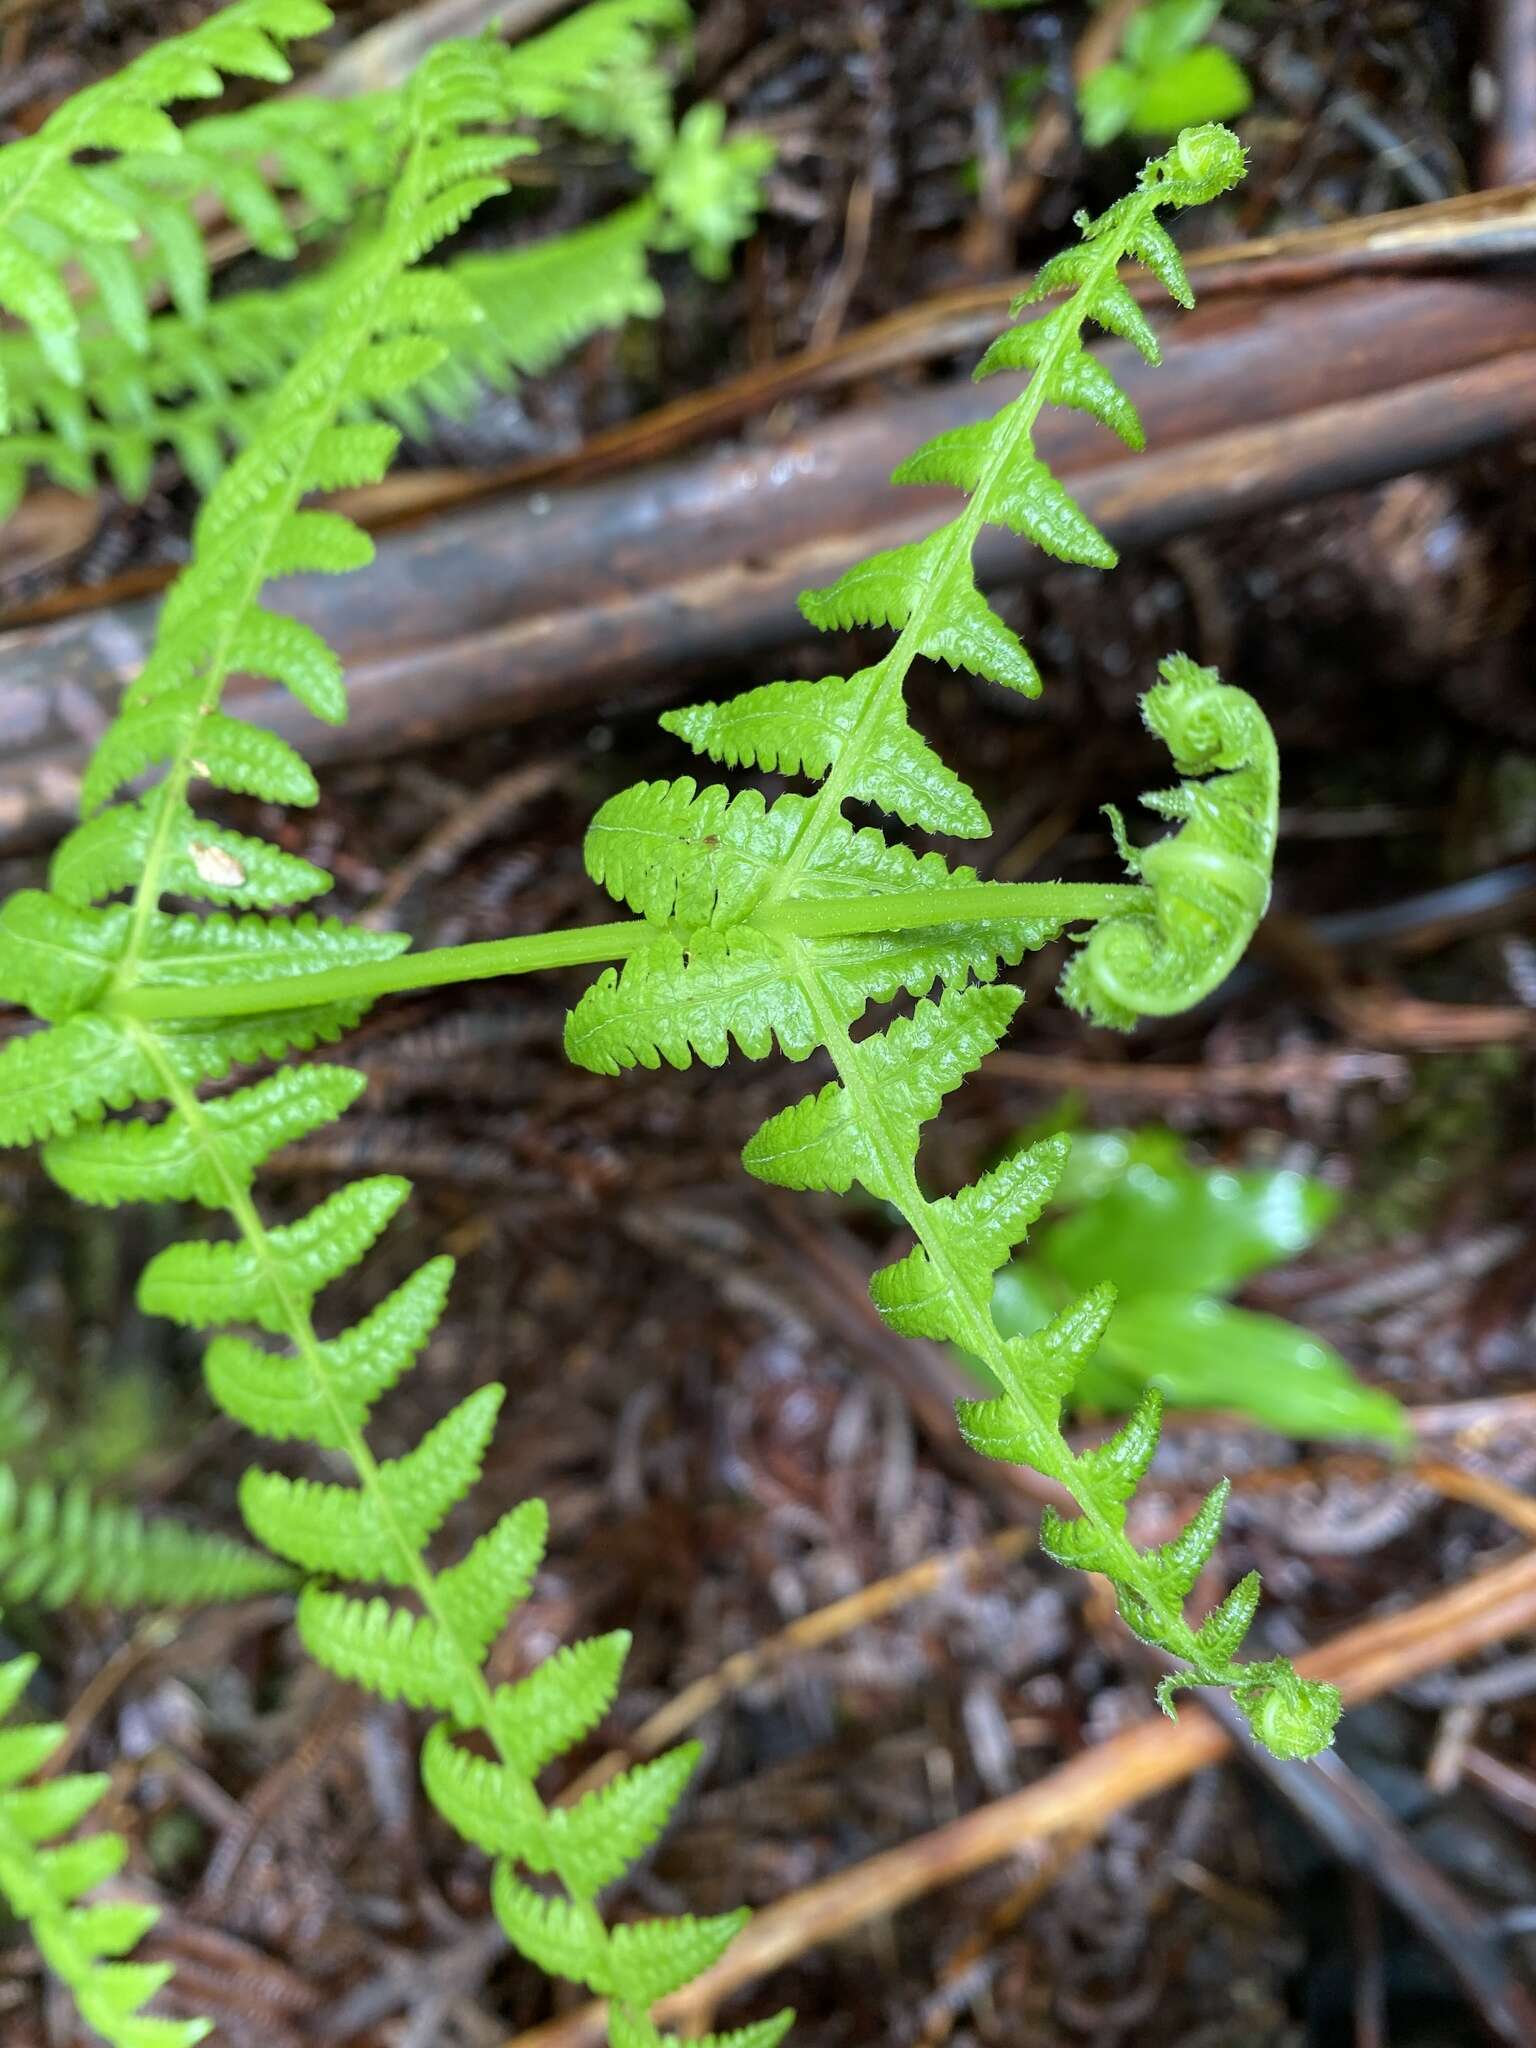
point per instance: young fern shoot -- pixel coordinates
(753, 924)
(759, 925)
(752, 939)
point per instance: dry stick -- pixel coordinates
(810, 1632)
(1360, 1832)
(1087, 1792)
(1479, 1489)
(1314, 1068)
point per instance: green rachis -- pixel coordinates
(754, 923)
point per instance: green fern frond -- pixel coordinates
(51, 210)
(755, 941)
(61, 1546)
(199, 386)
(23, 1413)
(43, 1882)
(627, 2029)
(82, 961)
(317, 162)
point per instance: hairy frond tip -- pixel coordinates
(1208, 883)
(1203, 163)
(1294, 1718)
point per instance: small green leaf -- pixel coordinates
(1168, 1225)
(1201, 1353)
(1202, 85)
(1155, 34)
(1105, 103)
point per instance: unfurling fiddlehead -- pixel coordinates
(81, 962)
(753, 941)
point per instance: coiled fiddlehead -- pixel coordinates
(751, 941)
(79, 961)
(1208, 883)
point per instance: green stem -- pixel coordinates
(299, 1328)
(906, 910)
(951, 546)
(979, 1334)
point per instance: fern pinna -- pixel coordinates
(42, 1880)
(79, 962)
(782, 923)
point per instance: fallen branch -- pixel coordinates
(508, 612)
(1304, 1070)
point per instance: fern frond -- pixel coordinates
(627, 2029)
(199, 386)
(43, 1883)
(60, 1546)
(50, 209)
(755, 939)
(80, 960)
(23, 1414)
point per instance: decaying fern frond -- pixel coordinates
(44, 1881)
(82, 963)
(52, 210)
(751, 939)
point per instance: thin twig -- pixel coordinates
(809, 1632)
